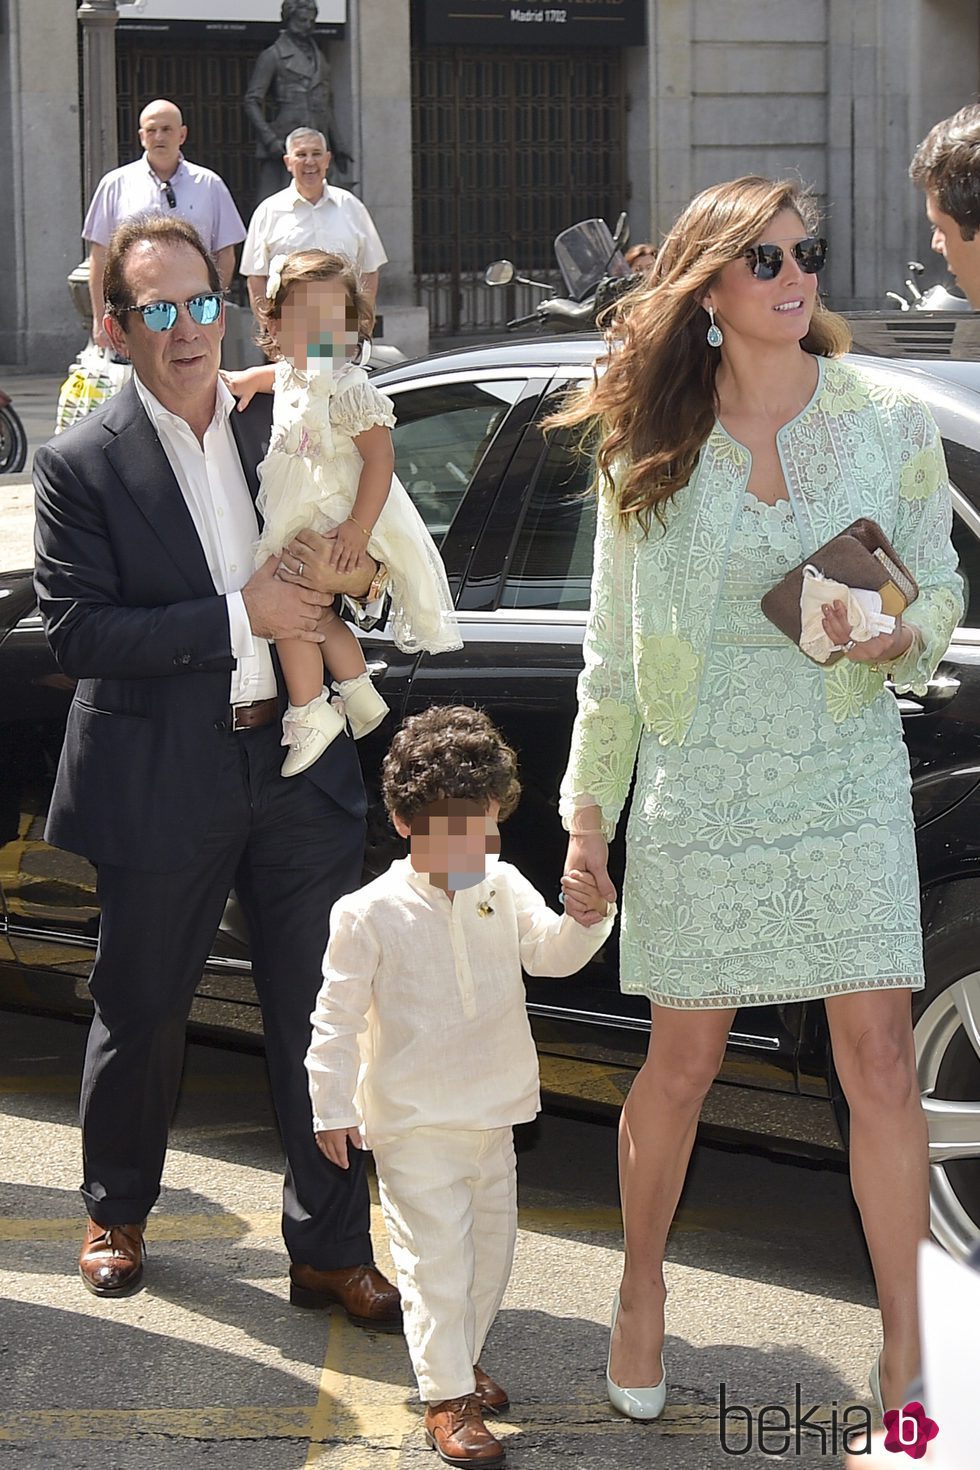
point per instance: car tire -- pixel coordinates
(946, 1027)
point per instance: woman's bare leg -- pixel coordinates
(656, 1136)
(302, 665)
(871, 1035)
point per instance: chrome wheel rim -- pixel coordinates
(947, 1046)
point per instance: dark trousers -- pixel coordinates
(289, 851)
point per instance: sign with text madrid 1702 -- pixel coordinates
(534, 22)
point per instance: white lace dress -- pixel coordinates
(310, 477)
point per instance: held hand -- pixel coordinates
(276, 610)
(873, 650)
(332, 1142)
(587, 855)
(583, 901)
(349, 542)
(313, 553)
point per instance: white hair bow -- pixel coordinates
(274, 280)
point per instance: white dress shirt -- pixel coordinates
(199, 195)
(421, 1021)
(337, 221)
(214, 487)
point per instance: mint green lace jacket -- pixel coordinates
(856, 449)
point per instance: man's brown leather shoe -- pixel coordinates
(493, 1398)
(367, 1298)
(111, 1262)
(456, 1431)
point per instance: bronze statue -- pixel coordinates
(298, 75)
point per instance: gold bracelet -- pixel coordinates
(359, 527)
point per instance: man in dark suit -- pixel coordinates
(169, 779)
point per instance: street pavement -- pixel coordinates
(210, 1366)
(35, 397)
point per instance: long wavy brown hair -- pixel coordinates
(652, 402)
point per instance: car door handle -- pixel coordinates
(377, 668)
(939, 691)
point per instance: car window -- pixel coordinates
(551, 563)
(968, 550)
(442, 432)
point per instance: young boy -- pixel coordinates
(422, 1049)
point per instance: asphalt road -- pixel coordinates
(209, 1365)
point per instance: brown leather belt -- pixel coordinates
(252, 716)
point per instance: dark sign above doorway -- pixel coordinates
(532, 22)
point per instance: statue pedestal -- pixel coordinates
(404, 327)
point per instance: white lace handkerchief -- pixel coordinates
(863, 613)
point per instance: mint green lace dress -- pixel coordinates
(770, 844)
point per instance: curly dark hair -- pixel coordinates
(449, 752)
(947, 163)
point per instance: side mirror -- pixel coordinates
(499, 273)
(621, 233)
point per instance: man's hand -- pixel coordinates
(308, 562)
(583, 901)
(332, 1142)
(276, 610)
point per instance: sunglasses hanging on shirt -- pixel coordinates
(766, 261)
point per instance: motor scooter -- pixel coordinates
(936, 298)
(593, 269)
(13, 439)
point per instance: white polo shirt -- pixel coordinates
(337, 221)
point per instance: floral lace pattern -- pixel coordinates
(770, 857)
(770, 847)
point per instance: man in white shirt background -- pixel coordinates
(163, 180)
(310, 215)
(169, 779)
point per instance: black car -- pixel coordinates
(516, 534)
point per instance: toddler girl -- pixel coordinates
(330, 466)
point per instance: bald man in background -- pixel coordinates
(163, 180)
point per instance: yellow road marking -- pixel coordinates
(58, 1083)
(378, 1428)
(382, 1421)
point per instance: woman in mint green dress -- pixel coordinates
(770, 843)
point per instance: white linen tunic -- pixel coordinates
(421, 1020)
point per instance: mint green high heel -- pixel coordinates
(874, 1383)
(635, 1403)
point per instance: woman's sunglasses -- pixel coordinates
(160, 316)
(766, 261)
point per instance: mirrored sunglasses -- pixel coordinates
(766, 261)
(160, 316)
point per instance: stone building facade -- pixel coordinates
(836, 91)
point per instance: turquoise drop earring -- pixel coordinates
(715, 337)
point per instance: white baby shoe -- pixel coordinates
(364, 705)
(308, 729)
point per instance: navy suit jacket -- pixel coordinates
(132, 614)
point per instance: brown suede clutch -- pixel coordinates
(861, 556)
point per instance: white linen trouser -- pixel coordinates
(449, 1199)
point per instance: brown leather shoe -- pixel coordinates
(367, 1298)
(493, 1398)
(456, 1431)
(111, 1262)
